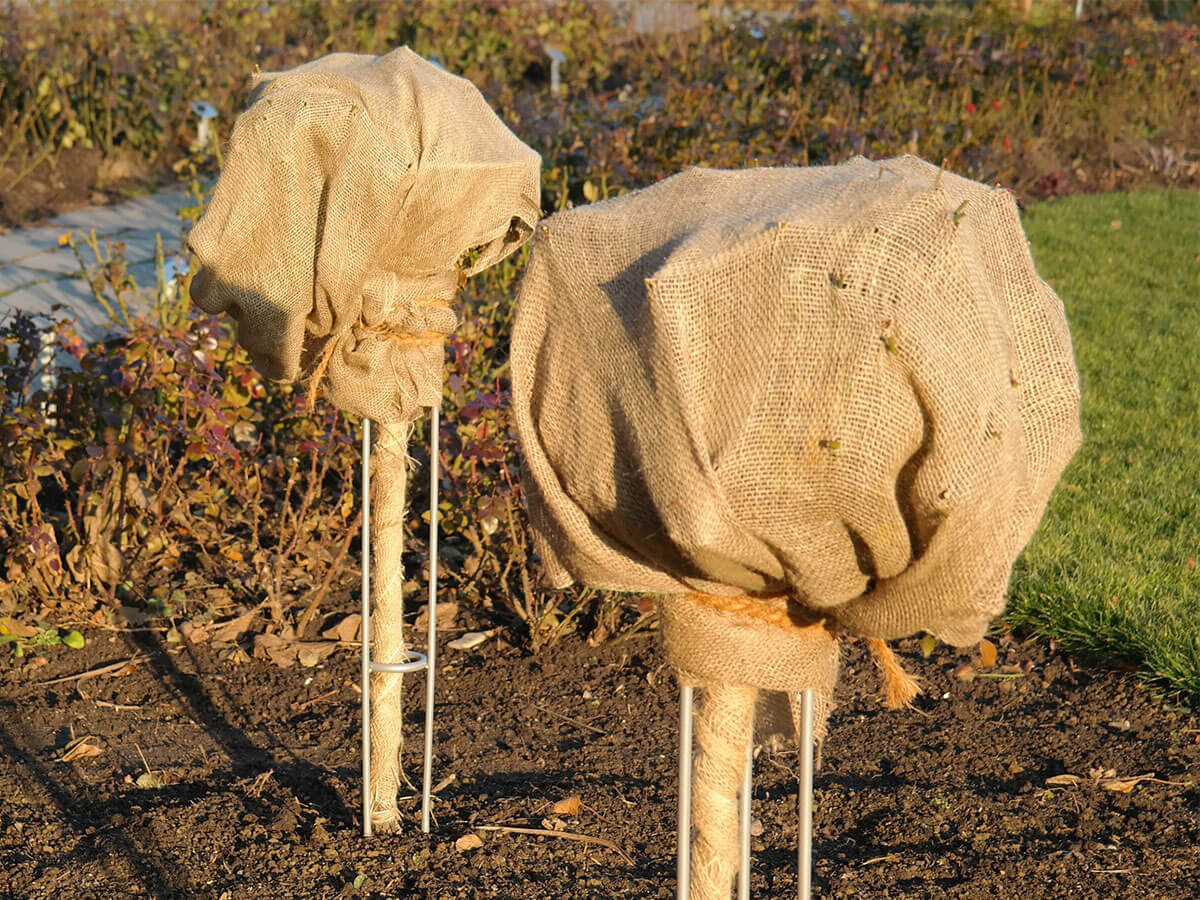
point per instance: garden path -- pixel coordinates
(37, 272)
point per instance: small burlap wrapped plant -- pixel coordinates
(354, 189)
(799, 403)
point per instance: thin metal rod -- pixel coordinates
(744, 824)
(683, 861)
(366, 626)
(431, 654)
(806, 794)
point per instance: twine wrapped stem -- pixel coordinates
(390, 461)
(723, 730)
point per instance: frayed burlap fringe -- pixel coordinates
(900, 688)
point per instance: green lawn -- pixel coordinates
(1114, 566)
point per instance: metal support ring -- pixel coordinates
(413, 662)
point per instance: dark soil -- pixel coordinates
(79, 177)
(261, 794)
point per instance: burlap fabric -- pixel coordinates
(847, 385)
(357, 191)
(838, 394)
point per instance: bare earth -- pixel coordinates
(260, 789)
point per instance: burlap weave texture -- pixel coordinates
(357, 191)
(847, 385)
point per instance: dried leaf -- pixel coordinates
(447, 614)
(1124, 785)
(470, 841)
(1063, 780)
(346, 630)
(103, 560)
(231, 629)
(965, 672)
(568, 806)
(80, 748)
(470, 640)
(987, 653)
(554, 823)
(195, 632)
(20, 629)
(309, 653)
(276, 649)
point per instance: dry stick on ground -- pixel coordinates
(569, 720)
(102, 670)
(565, 835)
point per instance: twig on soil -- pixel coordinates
(260, 783)
(124, 629)
(300, 707)
(144, 763)
(565, 835)
(891, 857)
(570, 721)
(107, 705)
(102, 670)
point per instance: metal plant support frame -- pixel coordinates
(413, 661)
(416, 662)
(683, 860)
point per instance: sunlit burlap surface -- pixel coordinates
(844, 384)
(353, 189)
(839, 394)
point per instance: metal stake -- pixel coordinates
(744, 823)
(431, 668)
(413, 661)
(806, 794)
(683, 859)
(365, 628)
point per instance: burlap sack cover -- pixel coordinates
(357, 191)
(846, 386)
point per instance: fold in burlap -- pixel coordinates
(844, 384)
(357, 191)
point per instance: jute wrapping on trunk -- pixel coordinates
(730, 647)
(354, 188)
(357, 192)
(840, 394)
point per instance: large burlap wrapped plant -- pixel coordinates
(358, 192)
(797, 402)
